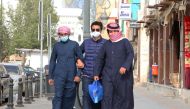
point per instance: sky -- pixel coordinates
(68, 3)
(11, 2)
(58, 4)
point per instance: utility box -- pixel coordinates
(154, 70)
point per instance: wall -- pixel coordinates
(33, 59)
(71, 20)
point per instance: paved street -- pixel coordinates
(144, 99)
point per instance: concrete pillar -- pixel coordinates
(143, 58)
(86, 19)
(138, 56)
(20, 89)
(26, 99)
(171, 69)
(151, 49)
(151, 55)
(160, 54)
(166, 56)
(155, 50)
(30, 93)
(182, 59)
(10, 104)
(155, 46)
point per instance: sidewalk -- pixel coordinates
(183, 94)
(39, 103)
(145, 98)
(150, 99)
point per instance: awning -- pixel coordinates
(167, 12)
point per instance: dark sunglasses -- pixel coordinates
(95, 30)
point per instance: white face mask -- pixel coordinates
(95, 34)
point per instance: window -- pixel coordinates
(12, 69)
(1, 70)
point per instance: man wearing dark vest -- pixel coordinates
(90, 48)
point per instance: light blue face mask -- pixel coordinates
(64, 38)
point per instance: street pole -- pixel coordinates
(93, 11)
(86, 19)
(182, 59)
(41, 43)
(49, 36)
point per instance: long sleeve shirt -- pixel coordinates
(63, 59)
(112, 56)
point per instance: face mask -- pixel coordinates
(95, 34)
(64, 38)
(116, 36)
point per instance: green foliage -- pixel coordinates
(24, 20)
(4, 37)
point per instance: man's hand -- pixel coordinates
(96, 78)
(80, 64)
(77, 79)
(122, 70)
(51, 82)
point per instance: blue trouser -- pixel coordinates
(87, 101)
(64, 97)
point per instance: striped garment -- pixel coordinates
(90, 49)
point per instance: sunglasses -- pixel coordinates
(95, 30)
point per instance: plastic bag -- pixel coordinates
(96, 91)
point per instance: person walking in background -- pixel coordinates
(114, 64)
(90, 47)
(63, 70)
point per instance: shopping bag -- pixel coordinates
(96, 91)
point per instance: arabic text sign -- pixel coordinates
(125, 11)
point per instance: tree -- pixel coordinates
(4, 37)
(24, 20)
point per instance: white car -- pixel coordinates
(15, 71)
(4, 84)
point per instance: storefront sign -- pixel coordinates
(134, 25)
(125, 11)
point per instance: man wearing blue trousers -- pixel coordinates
(63, 70)
(90, 47)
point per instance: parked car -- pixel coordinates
(46, 68)
(29, 71)
(15, 71)
(4, 84)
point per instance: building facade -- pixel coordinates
(165, 25)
